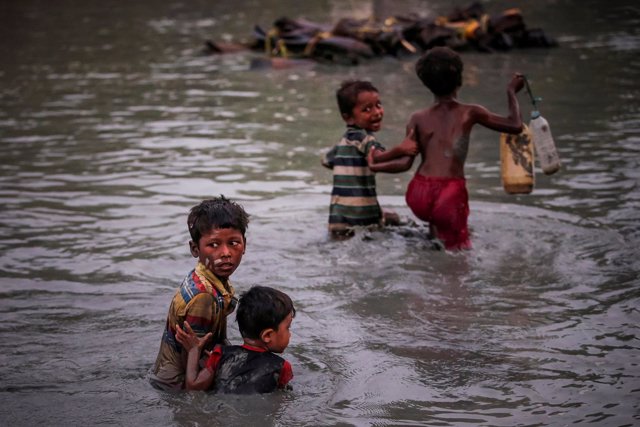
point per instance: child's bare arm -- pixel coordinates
(397, 165)
(408, 147)
(510, 124)
(398, 159)
(195, 379)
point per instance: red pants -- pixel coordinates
(444, 203)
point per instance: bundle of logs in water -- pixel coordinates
(352, 40)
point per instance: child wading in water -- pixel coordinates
(264, 318)
(437, 193)
(354, 200)
(205, 298)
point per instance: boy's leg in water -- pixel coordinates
(436, 243)
(450, 215)
(421, 195)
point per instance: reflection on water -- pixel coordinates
(113, 125)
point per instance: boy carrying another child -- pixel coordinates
(264, 318)
(206, 297)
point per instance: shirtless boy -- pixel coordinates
(437, 193)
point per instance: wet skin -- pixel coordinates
(443, 129)
(220, 250)
(278, 340)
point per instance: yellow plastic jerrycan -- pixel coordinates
(516, 161)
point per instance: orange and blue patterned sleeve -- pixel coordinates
(199, 313)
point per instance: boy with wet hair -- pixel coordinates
(264, 318)
(354, 200)
(206, 297)
(437, 193)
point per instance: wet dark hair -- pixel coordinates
(219, 212)
(440, 69)
(261, 308)
(347, 95)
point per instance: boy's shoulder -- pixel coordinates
(249, 357)
(232, 350)
(435, 111)
(193, 284)
(420, 115)
(357, 137)
(356, 134)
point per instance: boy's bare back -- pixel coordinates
(442, 130)
(442, 135)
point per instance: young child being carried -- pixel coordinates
(206, 297)
(264, 318)
(437, 193)
(354, 200)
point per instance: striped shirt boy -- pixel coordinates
(353, 200)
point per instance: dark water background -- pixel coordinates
(112, 125)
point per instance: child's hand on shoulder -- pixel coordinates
(188, 339)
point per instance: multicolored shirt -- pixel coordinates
(203, 301)
(354, 200)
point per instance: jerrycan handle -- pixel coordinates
(534, 100)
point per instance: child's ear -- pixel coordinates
(193, 247)
(267, 335)
(348, 118)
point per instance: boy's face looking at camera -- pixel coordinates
(367, 113)
(220, 250)
(217, 228)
